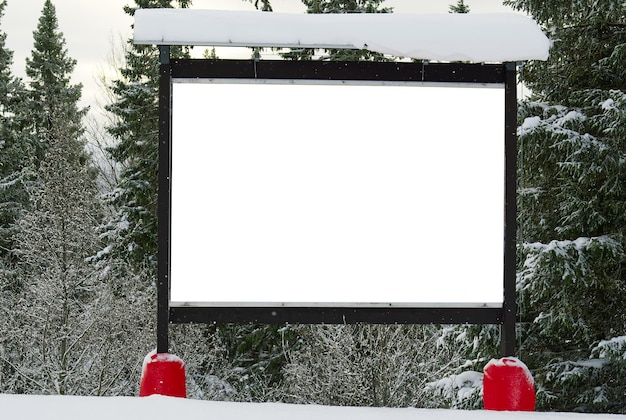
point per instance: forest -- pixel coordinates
(78, 240)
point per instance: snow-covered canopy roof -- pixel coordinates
(499, 37)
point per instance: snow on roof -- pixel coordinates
(498, 37)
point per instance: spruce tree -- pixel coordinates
(587, 51)
(13, 198)
(573, 207)
(571, 280)
(132, 232)
(58, 234)
(459, 7)
(49, 70)
(54, 310)
(14, 151)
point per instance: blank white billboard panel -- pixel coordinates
(336, 194)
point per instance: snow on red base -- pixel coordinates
(163, 374)
(508, 385)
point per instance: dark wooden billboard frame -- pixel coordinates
(170, 69)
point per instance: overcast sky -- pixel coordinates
(92, 27)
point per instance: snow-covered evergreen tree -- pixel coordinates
(572, 201)
(573, 223)
(132, 232)
(572, 210)
(57, 230)
(63, 326)
(14, 150)
(49, 70)
(57, 235)
(12, 198)
(587, 51)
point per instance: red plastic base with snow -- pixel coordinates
(508, 386)
(163, 374)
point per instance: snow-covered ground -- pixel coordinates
(27, 407)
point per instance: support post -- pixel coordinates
(510, 210)
(164, 199)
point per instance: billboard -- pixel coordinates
(336, 193)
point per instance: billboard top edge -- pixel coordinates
(338, 71)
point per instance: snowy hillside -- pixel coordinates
(26, 407)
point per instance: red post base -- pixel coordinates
(508, 386)
(163, 374)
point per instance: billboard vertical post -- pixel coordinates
(164, 199)
(510, 204)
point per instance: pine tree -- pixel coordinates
(67, 331)
(459, 7)
(57, 232)
(132, 232)
(340, 6)
(49, 70)
(12, 198)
